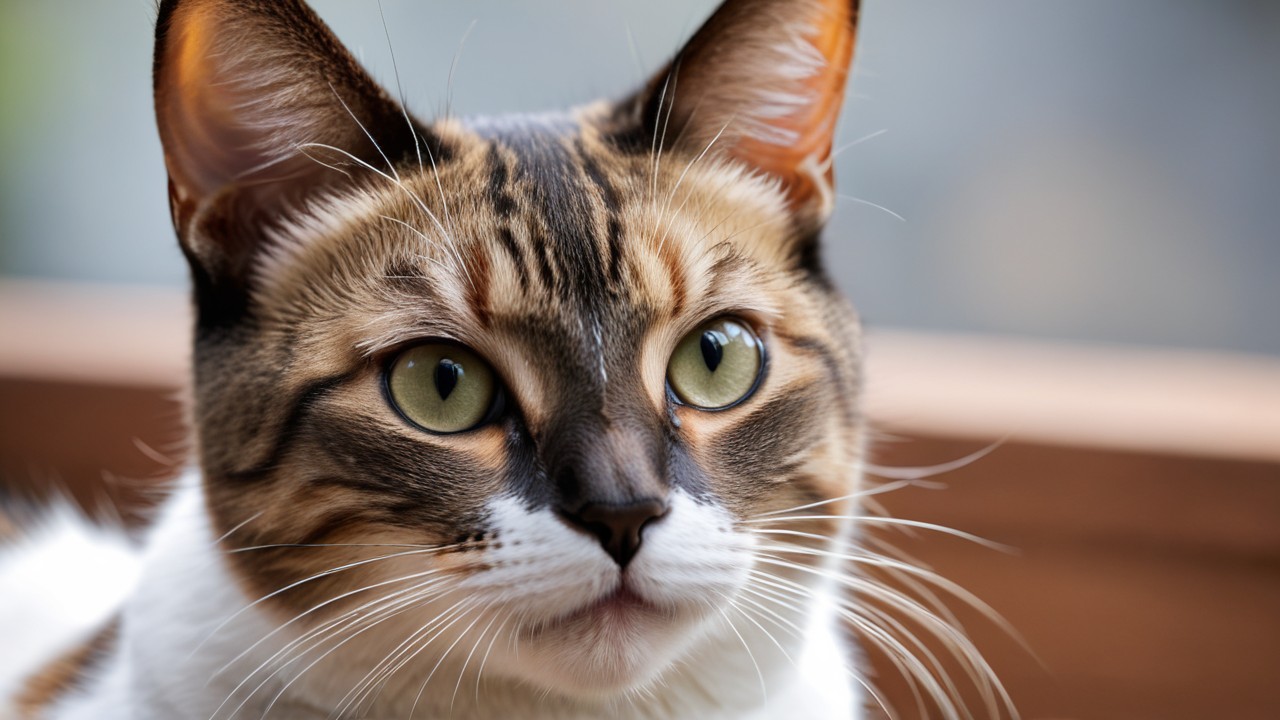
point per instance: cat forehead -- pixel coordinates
(522, 214)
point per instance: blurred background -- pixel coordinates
(1061, 222)
(1093, 170)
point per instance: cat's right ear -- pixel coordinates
(259, 106)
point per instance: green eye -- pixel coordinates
(716, 365)
(442, 388)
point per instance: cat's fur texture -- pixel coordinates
(331, 560)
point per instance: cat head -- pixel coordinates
(532, 380)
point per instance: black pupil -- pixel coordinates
(712, 349)
(446, 376)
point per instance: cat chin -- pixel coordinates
(605, 651)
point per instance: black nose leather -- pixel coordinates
(618, 527)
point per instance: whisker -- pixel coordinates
(917, 473)
(868, 203)
(327, 653)
(878, 490)
(383, 670)
(671, 196)
(743, 612)
(238, 527)
(485, 659)
(453, 64)
(322, 632)
(317, 576)
(395, 69)
(903, 522)
(444, 655)
(463, 671)
(764, 693)
(391, 167)
(854, 143)
(956, 642)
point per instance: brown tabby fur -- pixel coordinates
(572, 251)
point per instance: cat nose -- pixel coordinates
(618, 527)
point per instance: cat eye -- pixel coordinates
(716, 365)
(442, 388)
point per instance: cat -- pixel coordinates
(544, 416)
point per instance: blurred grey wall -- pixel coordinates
(1094, 170)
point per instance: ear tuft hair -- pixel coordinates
(762, 82)
(258, 106)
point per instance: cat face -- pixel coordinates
(520, 387)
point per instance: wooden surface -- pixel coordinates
(1148, 585)
(1140, 489)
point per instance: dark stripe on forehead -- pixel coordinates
(479, 274)
(613, 208)
(499, 194)
(504, 207)
(557, 189)
(508, 243)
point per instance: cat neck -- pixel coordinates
(188, 644)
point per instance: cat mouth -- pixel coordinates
(621, 608)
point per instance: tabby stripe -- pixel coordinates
(479, 270)
(555, 180)
(542, 253)
(756, 450)
(613, 207)
(507, 242)
(815, 347)
(330, 524)
(499, 196)
(504, 207)
(288, 433)
(675, 271)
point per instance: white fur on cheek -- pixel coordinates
(541, 563)
(691, 557)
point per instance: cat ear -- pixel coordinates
(258, 106)
(762, 82)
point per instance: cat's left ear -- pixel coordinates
(761, 82)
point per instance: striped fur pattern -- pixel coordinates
(337, 561)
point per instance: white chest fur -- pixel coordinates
(180, 658)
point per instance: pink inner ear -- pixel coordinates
(804, 164)
(206, 112)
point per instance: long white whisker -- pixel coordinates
(382, 672)
(877, 206)
(854, 143)
(322, 631)
(879, 489)
(417, 201)
(465, 663)
(918, 473)
(317, 576)
(903, 522)
(240, 526)
(671, 196)
(365, 130)
(439, 662)
(764, 693)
